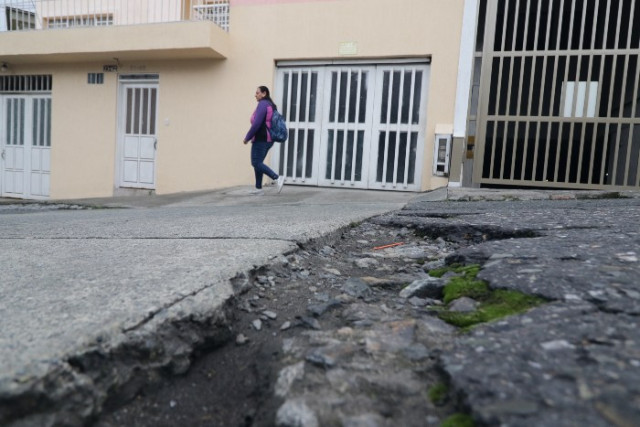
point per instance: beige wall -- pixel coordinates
(205, 104)
(82, 133)
(380, 29)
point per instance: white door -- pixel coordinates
(348, 113)
(354, 126)
(25, 146)
(297, 158)
(138, 140)
(399, 123)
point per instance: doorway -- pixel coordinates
(137, 131)
(354, 125)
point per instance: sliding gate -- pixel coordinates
(559, 93)
(354, 126)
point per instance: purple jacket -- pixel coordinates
(260, 129)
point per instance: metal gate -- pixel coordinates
(559, 93)
(354, 126)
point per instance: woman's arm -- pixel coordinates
(259, 117)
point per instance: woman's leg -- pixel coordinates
(259, 152)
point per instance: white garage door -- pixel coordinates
(353, 126)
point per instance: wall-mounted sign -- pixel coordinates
(348, 48)
(109, 68)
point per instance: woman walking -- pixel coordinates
(260, 136)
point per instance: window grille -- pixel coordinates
(95, 78)
(21, 84)
(216, 11)
(80, 21)
(124, 77)
(59, 14)
(19, 19)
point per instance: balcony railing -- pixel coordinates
(22, 15)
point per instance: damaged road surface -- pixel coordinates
(97, 302)
(361, 326)
(348, 329)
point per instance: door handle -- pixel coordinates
(2, 155)
(155, 144)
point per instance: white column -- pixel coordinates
(465, 66)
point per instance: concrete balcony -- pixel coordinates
(100, 30)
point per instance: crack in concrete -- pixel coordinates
(165, 307)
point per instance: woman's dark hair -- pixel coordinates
(265, 89)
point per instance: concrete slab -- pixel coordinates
(110, 277)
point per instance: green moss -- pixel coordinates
(458, 420)
(455, 268)
(493, 304)
(438, 393)
(462, 286)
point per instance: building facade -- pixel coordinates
(106, 97)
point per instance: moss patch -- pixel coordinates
(455, 268)
(494, 304)
(458, 420)
(438, 394)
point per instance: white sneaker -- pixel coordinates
(280, 183)
(257, 192)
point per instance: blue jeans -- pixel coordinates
(259, 150)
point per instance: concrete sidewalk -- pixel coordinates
(94, 295)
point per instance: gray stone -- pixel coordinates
(286, 325)
(327, 251)
(330, 355)
(463, 305)
(364, 420)
(389, 282)
(430, 287)
(318, 310)
(309, 322)
(433, 265)
(418, 302)
(333, 271)
(366, 262)
(357, 288)
(270, 314)
(391, 336)
(511, 407)
(416, 352)
(296, 413)
(287, 377)
(402, 383)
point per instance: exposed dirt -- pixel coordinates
(233, 385)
